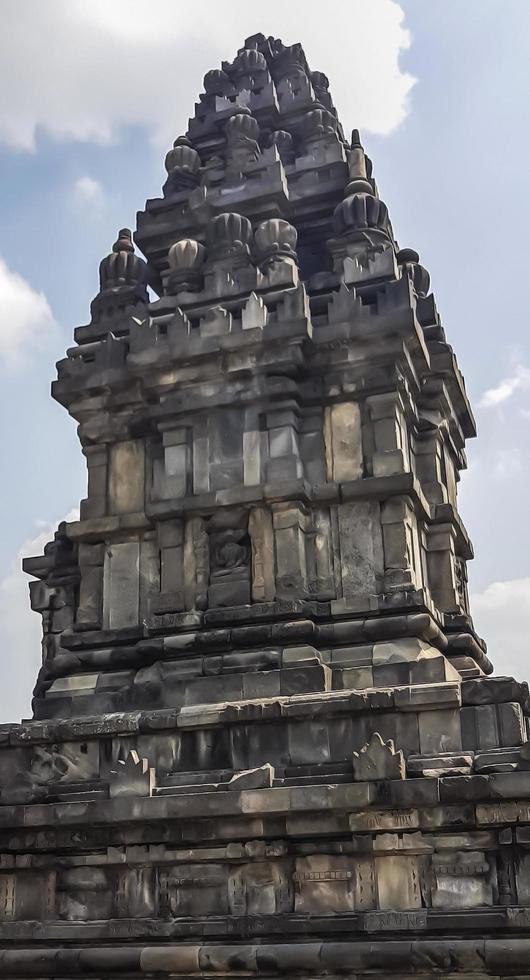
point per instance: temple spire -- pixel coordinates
(265, 739)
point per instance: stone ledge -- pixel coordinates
(503, 957)
(295, 924)
(426, 697)
(405, 796)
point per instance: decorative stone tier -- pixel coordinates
(265, 741)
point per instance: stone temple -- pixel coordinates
(266, 740)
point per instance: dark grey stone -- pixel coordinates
(263, 741)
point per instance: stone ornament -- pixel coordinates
(216, 82)
(378, 760)
(122, 281)
(230, 234)
(318, 124)
(275, 241)
(248, 62)
(185, 259)
(122, 268)
(409, 260)
(242, 127)
(359, 212)
(284, 143)
(132, 777)
(183, 165)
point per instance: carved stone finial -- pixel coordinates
(242, 127)
(357, 168)
(122, 267)
(359, 212)
(242, 132)
(378, 760)
(275, 240)
(284, 143)
(406, 255)
(248, 62)
(317, 124)
(123, 242)
(288, 58)
(320, 81)
(122, 279)
(230, 233)
(183, 165)
(409, 259)
(216, 82)
(185, 260)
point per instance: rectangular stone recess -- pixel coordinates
(343, 439)
(361, 549)
(126, 477)
(121, 582)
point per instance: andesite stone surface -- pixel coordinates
(266, 739)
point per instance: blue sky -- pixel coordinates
(93, 95)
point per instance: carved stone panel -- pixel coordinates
(324, 884)
(194, 889)
(260, 888)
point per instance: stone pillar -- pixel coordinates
(171, 544)
(201, 461)
(126, 477)
(196, 564)
(90, 609)
(95, 504)
(177, 461)
(441, 565)
(121, 585)
(262, 540)
(252, 440)
(290, 526)
(319, 552)
(391, 449)
(343, 442)
(428, 453)
(401, 545)
(150, 570)
(284, 459)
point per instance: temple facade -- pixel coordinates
(266, 739)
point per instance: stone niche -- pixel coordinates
(126, 477)
(230, 559)
(131, 576)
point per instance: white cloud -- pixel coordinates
(108, 65)
(502, 615)
(520, 379)
(20, 629)
(508, 463)
(88, 196)
(26, 318)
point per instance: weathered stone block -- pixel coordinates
(126, 477)
(440, 731)
(361, 548)
(378, 760)
(324, 884)
(343, 442)
(121, 585)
